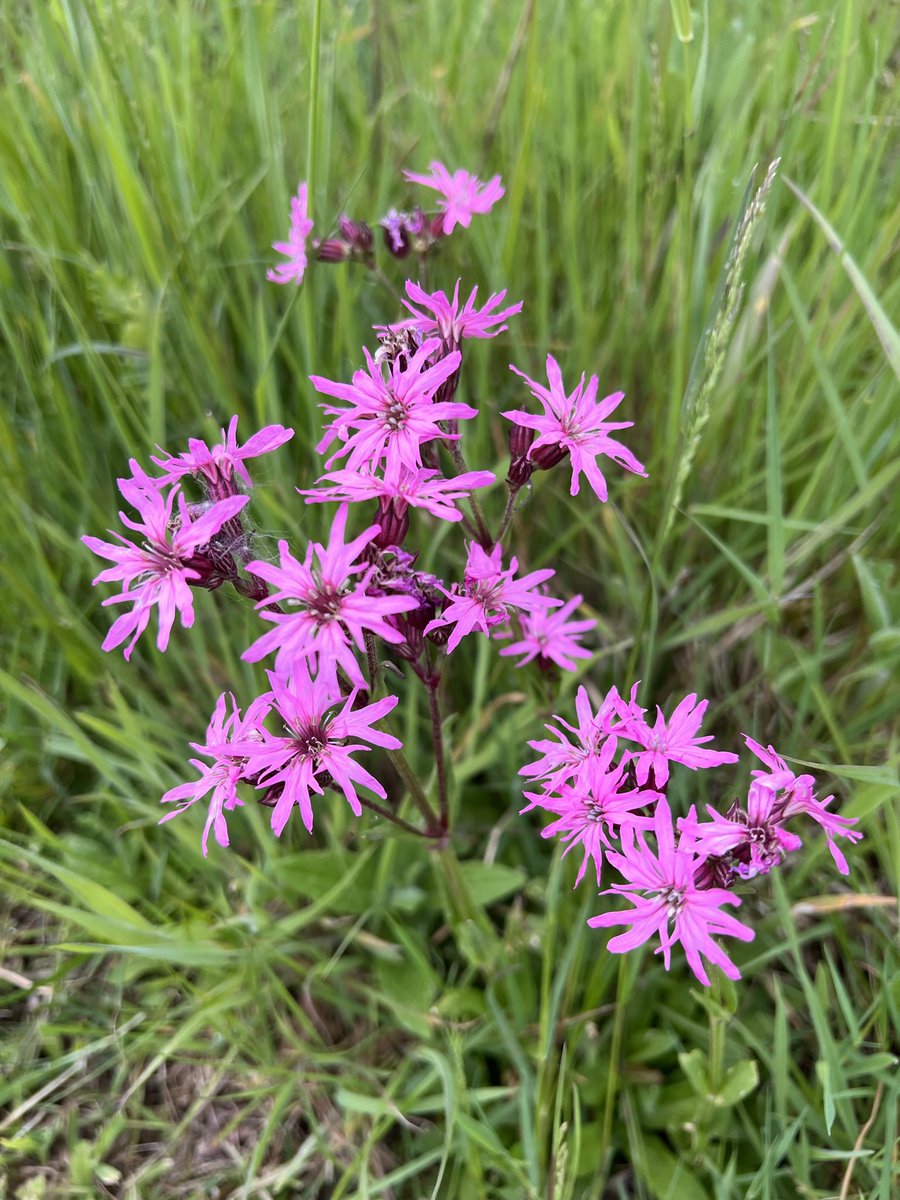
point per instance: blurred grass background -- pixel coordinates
(287, 1020)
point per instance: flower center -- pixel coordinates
(486, 593)
(395, 415)
(325, 604)
(673, 898)
(592, 811)
(163, 559)
(311, 740)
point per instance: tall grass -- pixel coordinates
(293, 1020)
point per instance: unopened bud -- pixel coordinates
(546, 457)
(440, 636)
(715, 872)
(520, 468)
(519, 473)
(357, 234)
(393, 522)
(333, 250)
(271, 795)
(520, 440)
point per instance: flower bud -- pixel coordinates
(252, 587)
(520, 469)
(393, 522)
(333, 250)
(396, 234)
(422, 231)
(546, 457)
(440, 636)
(715, 872)
(271, 795)
(357, 234)
(214, 563)
(520, 440)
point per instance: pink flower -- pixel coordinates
(575, 425)
(328, 608)
(588, 813)
(294, 248)
(221, 463)
(140, 480)
(444, 319)
(562, 760)
(159, 571)
(490, 594)
(418, 489)
(663, 889)
(552, 637)
(462, 195)
(754, 839)
(676, 741)
(222, 776)
(392, 418)
(799, 798)
(779, 776)
(831, 823)
(318, 746)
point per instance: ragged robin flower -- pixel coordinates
(326, 608)
(667, 901)
(160, 571)
(575, 425)
(461, 195)
(321, 732)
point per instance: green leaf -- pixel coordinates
(823, 1074)
(666, 1175)
(487, 884)
(682, 20)
(740, 1081)
(480, 1133)
(887, 334)
(317, 874)
(410, 984)
(696, 1067)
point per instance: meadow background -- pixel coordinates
(296, 1019)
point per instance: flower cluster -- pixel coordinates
(182, 545)
(460, 196)
(349, 599)
(320, 733)
(393, 445)
(595, 776)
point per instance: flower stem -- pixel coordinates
(717, 1025)
(462, 905)
(395, 820)
(508, 513)
(615, 1051)
(432, 682)
(404, 770)
(380, 277)
(371, 661)
(461, 469)
(397, 757)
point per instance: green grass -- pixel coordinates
(288, 1020)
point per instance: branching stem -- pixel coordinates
(431, 834)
